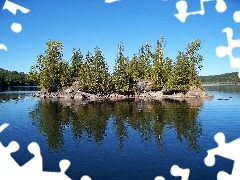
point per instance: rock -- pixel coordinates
(69, 90)
(166, 91)
(93, 97)
(143, 86)
(179, 95)
(143, 93)
(158, 95)
(194, 92)
(78, 96)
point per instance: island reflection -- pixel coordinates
(91, 120)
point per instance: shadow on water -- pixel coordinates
(91, 120)
(223, 88)
(16, 92)
(8, 97)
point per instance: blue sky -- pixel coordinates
(86, 24)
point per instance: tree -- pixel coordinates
(65, 77)
(94, 76)
(195, 62)
(85, 78)
(100, 72)
(76, 63)
(185, 68)
(180, 80)
(134, 68)
(158, 74)
(122, 79)
(145, 61)
(51, 69)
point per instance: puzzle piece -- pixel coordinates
(33, 169)
(182, 6)
(7, 163)
(2, 46)
(234, 62)
(227, 150)
(111, 1)
(222, 51)
(16, 27)
(236, 16)
(12, 7)
(177, 171)
(35, 165)
(85, 178)
(63, 164)
(3, 126)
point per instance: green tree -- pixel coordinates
(100, 72)
(195, 60)
(158, 70)
(85, 77)
(94, 76)
(145, 61)
(76, 63)
(134, 68)
(185, 68)
(65, 76)
(122, 79)
(51, 69)
(180, 79)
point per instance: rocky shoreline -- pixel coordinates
(72, 93)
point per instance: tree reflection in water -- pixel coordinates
(91, 120)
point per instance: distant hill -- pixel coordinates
(12, 78)
(227, 78)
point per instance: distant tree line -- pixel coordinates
(52, 72)
(222, 78)
(12, 78)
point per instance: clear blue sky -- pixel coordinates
(86, 24)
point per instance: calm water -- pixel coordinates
(123, 140)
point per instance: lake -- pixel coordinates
(122, 140)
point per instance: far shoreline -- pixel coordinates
(221, 84)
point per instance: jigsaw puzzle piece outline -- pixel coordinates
(182, 7)
(35, 164)
(7, 164)
(236, 16)
(12, 7)
(177, 171)
(222, 51)
(4, 125)
(226, 150)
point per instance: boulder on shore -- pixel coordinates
(68, 93)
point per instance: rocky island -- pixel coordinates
(143, 92)
(147, 76)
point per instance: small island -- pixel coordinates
(148, 75)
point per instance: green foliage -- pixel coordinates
(145, 61)
(85, 75)
(51, 71)
(162, 67)
(12, 78)
(222, 78)
(122, 79)
(186, 68)
(76, 63)
(94, 76)
(65, 77)
(135, 68)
